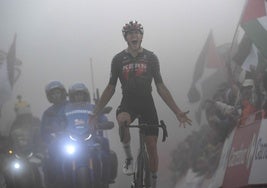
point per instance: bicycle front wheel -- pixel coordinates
(143, 171)
(147, 175)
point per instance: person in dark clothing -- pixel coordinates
(25, 129)
(136, 67)
(25, 140)
(53, 119)
(52, 124)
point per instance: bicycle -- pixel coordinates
(141, 176)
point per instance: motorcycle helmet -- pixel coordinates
(131, 26)
(52, 86)
(77, 89)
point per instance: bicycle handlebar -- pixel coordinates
(144, 125)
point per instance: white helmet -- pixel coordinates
(79, 87)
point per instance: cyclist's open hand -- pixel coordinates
(183, 119)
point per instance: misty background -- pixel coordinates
(57, 38)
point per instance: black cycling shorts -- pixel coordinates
(142, 108)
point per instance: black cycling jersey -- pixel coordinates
(135, 73)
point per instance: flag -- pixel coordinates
(208, 58)
(211, 84)
(254, 23)
(246, 57)
(254, 9)
(243, 50)
(8, 72)
(251, 60)
(11, 61)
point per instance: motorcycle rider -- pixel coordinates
(77, 113)
(52, 124)
(25, 124)
(25, 140)
(53, 119)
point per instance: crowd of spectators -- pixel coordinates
(231, 106)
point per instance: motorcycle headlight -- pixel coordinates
(70, 149)
(16, 165)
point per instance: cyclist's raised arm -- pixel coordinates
(168, 99)
(104, 99)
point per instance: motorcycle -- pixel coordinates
(22, 166)
(86, 160)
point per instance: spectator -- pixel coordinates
(248, 100)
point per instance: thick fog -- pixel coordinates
(57, 38)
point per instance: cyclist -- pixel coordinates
(52, 123)
(77, 113)
(136, 67)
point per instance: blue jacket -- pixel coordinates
(78, 116)
(53, 120)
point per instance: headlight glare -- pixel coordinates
(16, 165)
(70, 149)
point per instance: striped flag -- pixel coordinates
(254, 23)
(252, 59)
(208, 59)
